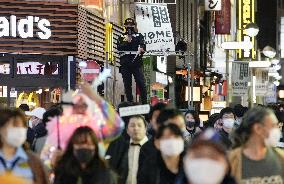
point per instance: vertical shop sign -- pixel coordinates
(147, 75)
(159, 34)
(271, 95)
(261, 86)
(245, 12)
(213, 5)
(223, 18)
(240, 79)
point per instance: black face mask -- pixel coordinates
(84, 155)
(190, 124)
(130, 30)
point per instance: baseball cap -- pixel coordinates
(129, 21)
(37, 112)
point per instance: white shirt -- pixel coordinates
(133, 159)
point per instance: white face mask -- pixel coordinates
(16, 136)
(204, 171)
(228, 123)
(273, 137)
(172, 147)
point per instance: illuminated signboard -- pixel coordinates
(246, 9)
(24, 27)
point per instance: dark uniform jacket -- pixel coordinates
(117, 157)
(124, 45)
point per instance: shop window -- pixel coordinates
(37, 68)
(5, 67)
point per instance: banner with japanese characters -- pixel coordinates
(271, 95)
(154, 23)
(240, 79)
(261, 86)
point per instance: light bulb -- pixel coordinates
(277, 83)
(275, 61)
(277, 67)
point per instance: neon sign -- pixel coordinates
(246, 9)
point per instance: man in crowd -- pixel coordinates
(149, 147)
(257, 160)
(131, 64)
(227, 117)
(36, 127)
(166, 116)
(125, 159)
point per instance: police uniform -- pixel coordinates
(132, 64)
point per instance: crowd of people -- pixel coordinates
(236, 146)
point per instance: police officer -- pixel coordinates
(131, 64)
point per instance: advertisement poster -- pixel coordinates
(158, 35)
(240, 79)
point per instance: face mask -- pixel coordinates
(172, 147)
(16, 136)
(30, 123)
(130, 30)
(84, 155)
(273, 137)
(190, 124)
(228, 123)
(204, 171)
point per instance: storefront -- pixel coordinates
(38, 46)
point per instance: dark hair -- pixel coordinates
(172, 127)
(157, 107)
(227, 110)
(239, 110)
(7, 114)
(139, 117)
(198, 143)
(68, 164)
(195, 116)
(24, 107)
(167, 114)
(212, 120)
(52, 112)
(254, 116)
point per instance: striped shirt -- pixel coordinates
(17, 166)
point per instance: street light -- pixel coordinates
(252, 29)
(269, 52)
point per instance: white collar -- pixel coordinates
(143, 141)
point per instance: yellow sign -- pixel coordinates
(109, 41)
(246, 11)
(31, 99)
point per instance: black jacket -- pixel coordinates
(225, 140)
(147, 150)
(124, 45)
(117, 157)
(154, 171)
(95, 174)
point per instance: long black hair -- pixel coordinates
(69, 166)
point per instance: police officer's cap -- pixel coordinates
(129, 21)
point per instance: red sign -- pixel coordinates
(223, 18)
(91, 71)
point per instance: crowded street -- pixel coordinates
(141, 92)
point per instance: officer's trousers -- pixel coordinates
(127, 73)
